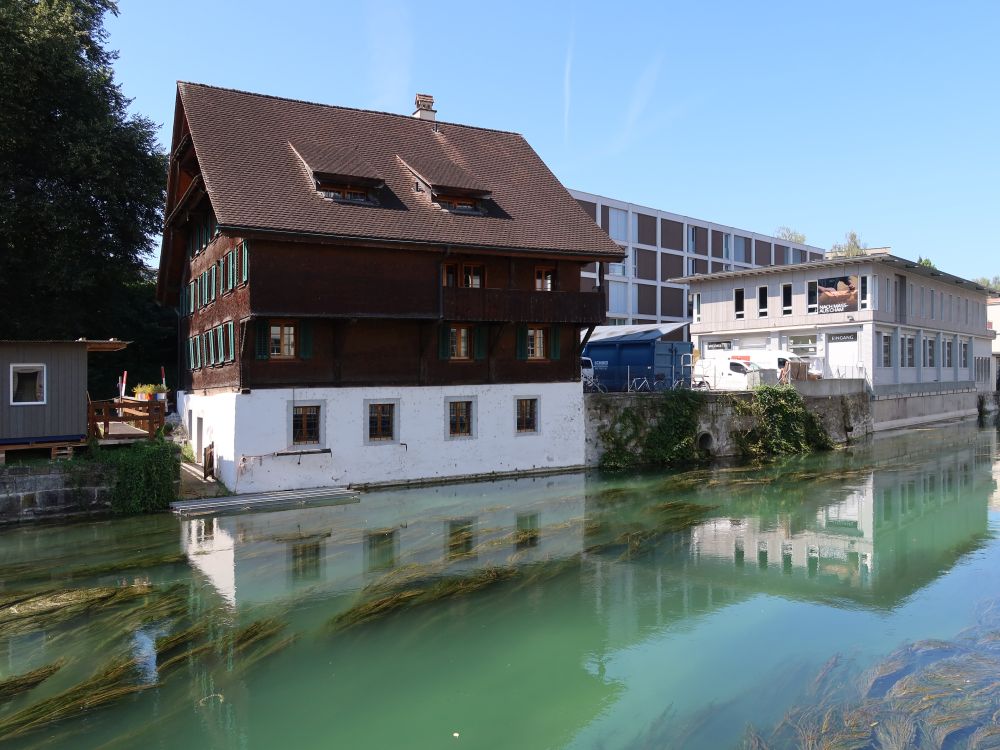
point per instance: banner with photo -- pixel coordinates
(838, 295)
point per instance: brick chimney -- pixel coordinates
(425, 107)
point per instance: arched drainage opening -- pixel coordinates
(705, 442)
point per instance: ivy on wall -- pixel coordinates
(669, 438)
(778, 423)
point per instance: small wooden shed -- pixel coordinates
(43, 391)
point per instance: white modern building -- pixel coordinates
(993, 322)
(662, 246)
(916, 335)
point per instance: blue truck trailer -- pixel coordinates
(619, 360)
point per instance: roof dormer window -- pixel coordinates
(344, 193)
(458, 204)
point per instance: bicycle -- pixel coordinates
(593, 385)
(640, 384)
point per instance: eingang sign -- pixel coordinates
(838, 294)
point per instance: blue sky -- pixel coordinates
(879, 117)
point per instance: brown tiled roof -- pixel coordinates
(337, 163)
(255, 180)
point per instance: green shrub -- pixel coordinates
(142, 475)
(778, 424)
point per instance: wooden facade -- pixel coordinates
(377, 315)
(62, 415)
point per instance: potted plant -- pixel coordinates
(143, 392)
(159, 392)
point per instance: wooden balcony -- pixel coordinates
(521, 306)
(125, 419)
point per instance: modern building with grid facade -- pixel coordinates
(662, 246)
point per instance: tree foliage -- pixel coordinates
(82, 182)
(791, 235)
(925, 262)
(851, 247)
(989, 283)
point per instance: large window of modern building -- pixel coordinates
(618, 224)
(786, 299)
(812, 296)
(741, 249)
(617, 299)
(697, 308)
(863, 301)
(739, 303)
(762, 302)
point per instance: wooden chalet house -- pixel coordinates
(368, 297)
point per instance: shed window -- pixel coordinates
(527, 415)
(460, 418)
(545, 279)
(27, 384)
(381, 422)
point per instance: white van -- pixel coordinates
(586, 368)
(718, 374)
(771, 361)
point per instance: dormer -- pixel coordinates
(340, 174)
(450, 187)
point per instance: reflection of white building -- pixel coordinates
(444, 530)
(889, 527)
(916, 335)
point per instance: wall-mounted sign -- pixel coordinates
(838, 295)
(834, 338)
(719, 346)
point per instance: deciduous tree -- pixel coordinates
(81, 182)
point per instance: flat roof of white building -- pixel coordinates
(893, 261)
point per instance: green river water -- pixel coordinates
(573, 611)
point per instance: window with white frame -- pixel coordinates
(762, 302)
(618, 225)
(948, 356)
(692, 239)
(886, 348)
(909, 351)
(812, 296)
(27, 384)
(786, 299)
(739, 303)
(863, 302)
(697, 307)
(727, 246)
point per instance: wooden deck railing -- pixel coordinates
(122, 419)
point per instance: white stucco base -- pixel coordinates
(253, 447)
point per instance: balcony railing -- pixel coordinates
(517, 305)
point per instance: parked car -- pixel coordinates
(586, 368)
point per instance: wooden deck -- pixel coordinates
(125, 419)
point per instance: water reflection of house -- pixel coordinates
(447, 530)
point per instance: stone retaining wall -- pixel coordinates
(846, 417)
(57, 490)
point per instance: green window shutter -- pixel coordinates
(263, 339)
(192, 291)
(197, 346)
(554, 342)
(245, 260)
(306, 339)
(479, 342)
(190, 355)
(522, 342)
(232, 269)
(444, 341)
(232, 341)
(220, 346)
(212, 283)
